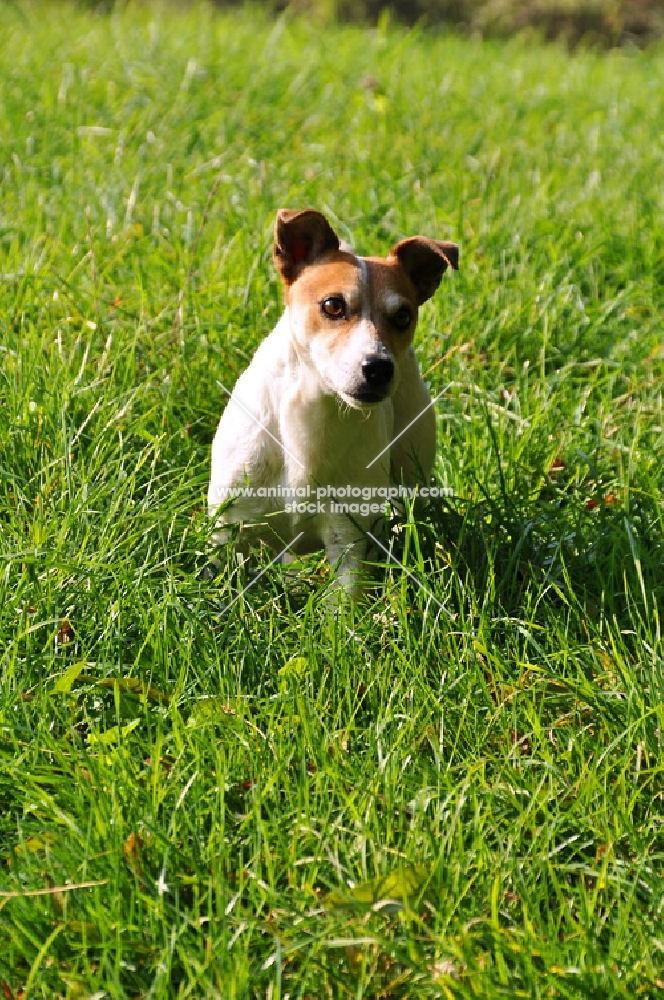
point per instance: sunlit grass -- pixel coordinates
(493, 768)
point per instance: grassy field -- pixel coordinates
(396, 800)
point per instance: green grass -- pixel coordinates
(495, 768)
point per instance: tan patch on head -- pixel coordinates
(334, 273)
(390, 289)
(338, 274)
(374, 289)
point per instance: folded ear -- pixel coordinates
(425, 262)
(300, 238)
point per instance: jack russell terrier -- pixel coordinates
(333, 399)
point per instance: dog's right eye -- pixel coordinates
(334, 307)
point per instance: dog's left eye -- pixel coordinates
(402, 318)
(334, 307)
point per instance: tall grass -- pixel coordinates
(281, 800)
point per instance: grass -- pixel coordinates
(489, 777)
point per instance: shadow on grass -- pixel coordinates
(562, 547)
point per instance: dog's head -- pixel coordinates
(353, 318)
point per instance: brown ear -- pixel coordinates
(300, 238)
(425, 262)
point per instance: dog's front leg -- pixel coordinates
(346, 547)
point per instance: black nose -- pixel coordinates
(378, 370)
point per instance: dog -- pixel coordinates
(333, 399)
